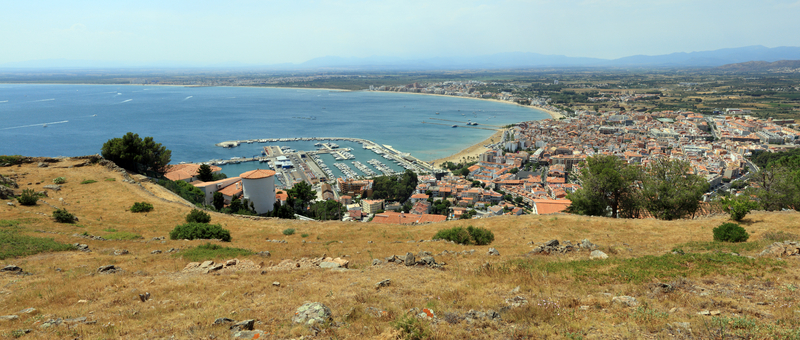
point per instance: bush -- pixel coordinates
(198, 216)
(28, 197)
(471, 235)
(458, 235)
(289, 231)
(411, 328)
(88, 181)
(141, 207)
(738, 207)
(194, 230)
(59, 180)
(481, 236)
(730, 232)
(63, 216)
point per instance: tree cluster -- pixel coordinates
(611, 187)
(392, 188)
(136, 154)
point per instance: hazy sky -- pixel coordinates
(269, 32)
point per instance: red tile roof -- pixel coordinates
(257, 174)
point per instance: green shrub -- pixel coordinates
(183, 189)
(412, 328)
(304, 235)
(471, 235)
(457, 234)
(59, 180)
(141, 207)
(211, 251)
(198, 216)
(203, 231)
(738, 207)
(481, 236)
(88, 181)
(28, 197)
(289, 231)
(730, 232)
(63, 216)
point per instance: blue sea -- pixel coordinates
(74, 120)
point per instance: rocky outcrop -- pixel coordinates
(312, 313)
(782, 249)
(556, 247)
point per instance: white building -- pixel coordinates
(259, 188)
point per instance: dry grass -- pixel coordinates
(66, 284)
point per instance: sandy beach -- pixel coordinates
(471, 153)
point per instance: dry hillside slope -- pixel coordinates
(513, 295)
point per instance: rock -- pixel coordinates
(246, 325)
(342, 262)
(312, 313)
(144, 297)
(391, 258)
(409, 260)
(276, 284)
(584, 307)
(155, 252)
(53, 187)
(75, 320)
(384, 283)
(685, 326)
(50, 323)
(10, 203)
(628, 301)
(493, 252)
(28, 311)
(515, 290)
(426, 314)
(121, 252)
(42, 165)
(254, 334)
(517, 301)
(107, 269)
(598, 255)
(206, 264)
(11, 268)
(222, 321)
(424, 253)
(375, 312)
(264, 254)
(781, 249)
(8, 317)
(376, 262)
(329, 265)
(82, 247)
(427, 260)
(551, 243)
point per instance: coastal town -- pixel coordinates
(529, 170)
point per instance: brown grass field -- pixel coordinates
(569, 295)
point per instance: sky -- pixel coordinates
(271, 32)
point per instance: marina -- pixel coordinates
(319, 159)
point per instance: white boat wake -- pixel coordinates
(32, 125)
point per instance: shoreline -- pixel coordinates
(466, 154)
(471, 152)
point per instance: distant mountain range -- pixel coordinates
(512, 60)
(762, 66)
